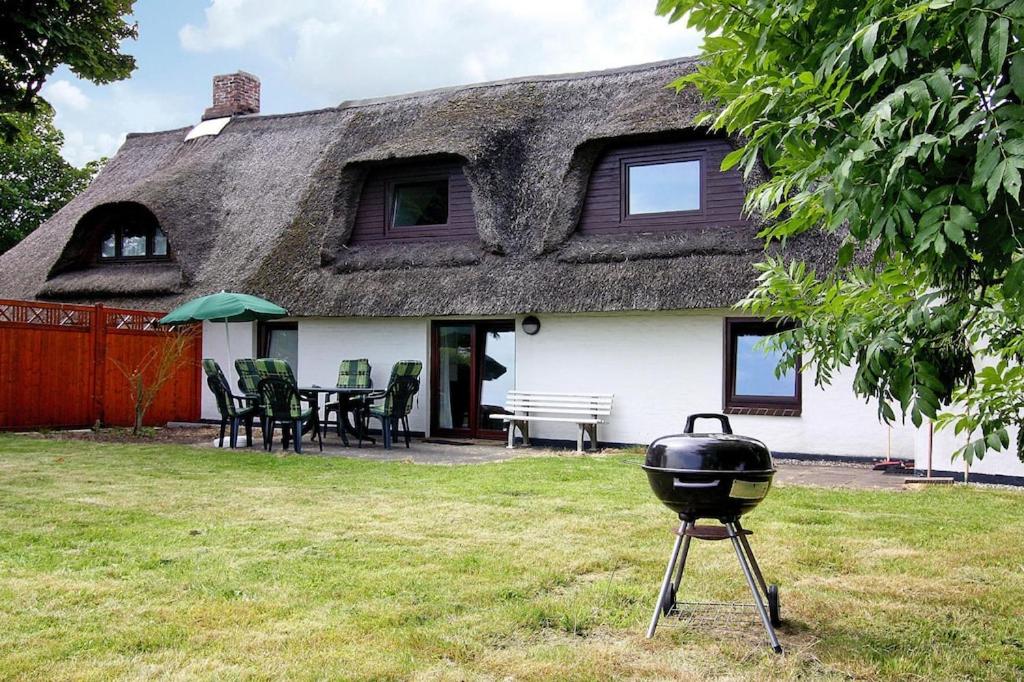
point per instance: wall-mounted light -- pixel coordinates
(531, 325)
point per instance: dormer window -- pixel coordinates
(663, 187)
(415, 202)
(133, 242)
(419, 203)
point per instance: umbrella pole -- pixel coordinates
(231, 362)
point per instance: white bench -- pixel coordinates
(583, 409)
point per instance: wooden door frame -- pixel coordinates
(474, 430)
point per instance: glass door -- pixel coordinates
(472, 369)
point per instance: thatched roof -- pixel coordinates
(267, 206)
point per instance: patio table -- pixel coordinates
(345, 395)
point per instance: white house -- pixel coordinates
(429, 226)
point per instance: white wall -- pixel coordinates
(325, 342)
(944, 444)
(243, 345)
(662, 367)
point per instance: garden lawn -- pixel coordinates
(173, 561)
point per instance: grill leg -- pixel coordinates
(762, 610)
(666, 584)
(750, 558)
(682, 564)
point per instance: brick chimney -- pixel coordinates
(234, 93)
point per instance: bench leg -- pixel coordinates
(511, 435)
(579, 439)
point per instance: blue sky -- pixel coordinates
(317, 53)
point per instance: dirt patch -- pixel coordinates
(185, 435)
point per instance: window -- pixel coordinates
(133, 241)
(425, 201)
(421, 203)
(664, 187)
(751, 385)
(280, 340)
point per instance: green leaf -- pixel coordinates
(1011, 179)
(1013, 283)
(1017, 75)
(976, 37)
(867, 42)
(954, 233)
(995, 181)
(732, 158)
(997, 42)
(940, 85)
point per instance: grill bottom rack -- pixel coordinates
(722, 615)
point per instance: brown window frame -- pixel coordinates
(118, 231)
(263, 330)
(782, 406)
(655, 158)
(412, 231)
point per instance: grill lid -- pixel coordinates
(722, 452)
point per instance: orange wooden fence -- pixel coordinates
(59, 366)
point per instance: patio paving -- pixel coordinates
(453, 452)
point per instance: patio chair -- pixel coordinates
(248, 376)
(282, 406)
(275, 367)
(394, 411)
(236, 414)
(402, 368)
(351, 374)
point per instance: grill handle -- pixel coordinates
(726, 428)
(694, 485)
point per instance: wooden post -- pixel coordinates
(99, 359)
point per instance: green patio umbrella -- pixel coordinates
(224, 307)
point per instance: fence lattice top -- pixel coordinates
(45, 314)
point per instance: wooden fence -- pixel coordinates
(59, 366)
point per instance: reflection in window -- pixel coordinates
(134, 241)
(755, 369)
(750, 379)
(108, 249)
(663, 187)
(281, 340)
(420, 203)
(159, 243)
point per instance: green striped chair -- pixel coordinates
(398, 400)
(248, 376)
(230, 413)
(351, 374)
(274, 367)
(280, 382)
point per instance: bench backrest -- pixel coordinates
(596, 404)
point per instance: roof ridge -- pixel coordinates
(539, 78)
(417, 94)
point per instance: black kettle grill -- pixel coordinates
(712, 476)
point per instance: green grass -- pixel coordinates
(177, 562)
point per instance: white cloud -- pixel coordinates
(113, 111)
(342, 50)
(62, 93)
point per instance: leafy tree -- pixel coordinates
(37, 36)
(35, 180)
(897, 124)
